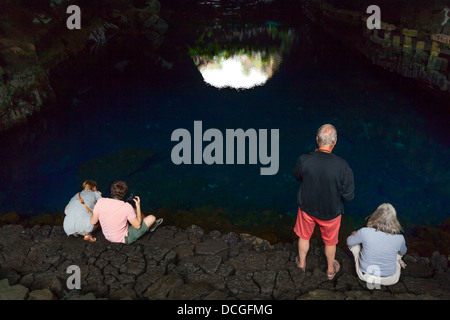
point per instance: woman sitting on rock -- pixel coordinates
(79, 210)
(379, 247)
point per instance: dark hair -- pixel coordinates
(119, 189)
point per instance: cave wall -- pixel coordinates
(34, 40)
(414, 39)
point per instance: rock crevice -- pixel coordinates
(184, 264)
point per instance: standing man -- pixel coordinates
(120, 222)
(327, 181)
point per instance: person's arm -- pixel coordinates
(355, 238)
(403, 248)
(94, 217)
(137, 220)
(298, 170)
(348, 187)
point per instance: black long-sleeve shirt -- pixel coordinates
(327, 181)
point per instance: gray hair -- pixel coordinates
(326, 135)
(385, 219)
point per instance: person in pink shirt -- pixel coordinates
(119, 221)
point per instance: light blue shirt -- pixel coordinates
(78, 218)
(378, 249)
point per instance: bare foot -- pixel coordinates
(90, 238)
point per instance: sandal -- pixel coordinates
(156, 224)
(297, 262)
(336, 267)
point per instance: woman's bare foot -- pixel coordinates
(89, 237)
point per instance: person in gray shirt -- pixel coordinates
(378, 248)
(77, 220)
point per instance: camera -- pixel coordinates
(130, 200)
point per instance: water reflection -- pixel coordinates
(240, 57)
(231, 8)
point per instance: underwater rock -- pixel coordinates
(9, 218)
(120, 165)
(426, 239)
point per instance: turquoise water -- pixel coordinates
(393, 134)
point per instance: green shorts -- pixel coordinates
(134, 234)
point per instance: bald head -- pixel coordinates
(326, 135)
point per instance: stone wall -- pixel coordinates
(416, 46)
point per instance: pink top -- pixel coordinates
(113, 216)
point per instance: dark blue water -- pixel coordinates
(391, 132)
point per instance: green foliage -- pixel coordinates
(207, 47)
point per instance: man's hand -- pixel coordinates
(136, 221)
(137, 200)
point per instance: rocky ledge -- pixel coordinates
(186, 264)
(35, 41)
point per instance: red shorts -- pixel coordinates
(304, 227)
